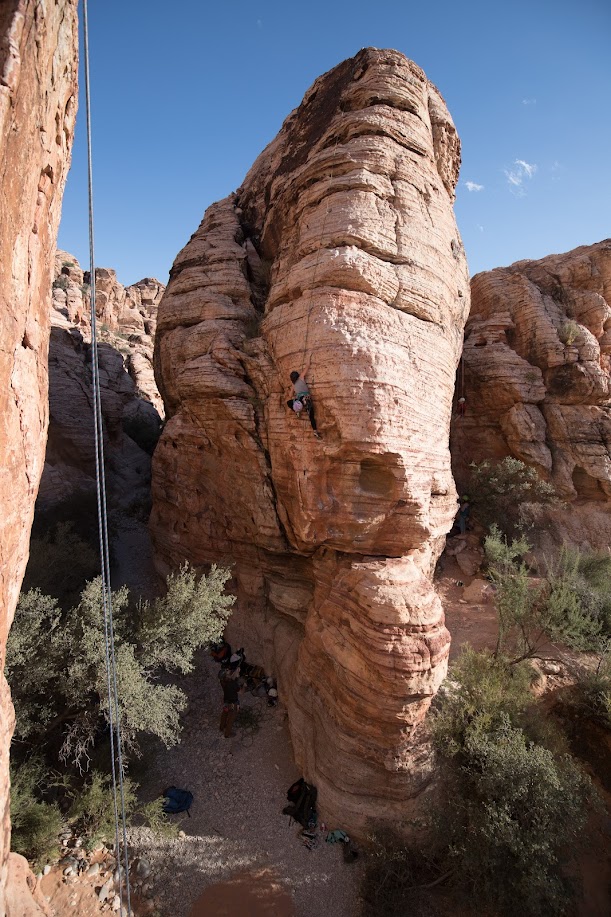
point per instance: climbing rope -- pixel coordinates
(114, 717)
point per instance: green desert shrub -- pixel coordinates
(57, 669)
(570, 332)
(514, 810)
(92, 812)
(395, 877)
(35, 824)
(61, 283)
(593, 692)
(570, 605)
(508, 494)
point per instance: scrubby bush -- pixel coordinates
(61, 283)
(92, 812)
(571, 605)
(36, 825)
(514, 809)
(570, 332)
(57, 670)
(395, 878)
(508, 494)
(593, 696)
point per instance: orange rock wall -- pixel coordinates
(340, 249)
(537, 356)
(38, 100)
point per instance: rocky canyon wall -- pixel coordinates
(131, 403)
(38, 100)
(340, 251)
(537, 356)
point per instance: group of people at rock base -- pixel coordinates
(231, 681)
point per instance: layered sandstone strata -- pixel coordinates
(537, 356)
(341, 250)
(130, 400)
(126, 316)
(38, 86)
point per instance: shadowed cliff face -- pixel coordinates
(38, 85)
(536, 366)
(341, 250)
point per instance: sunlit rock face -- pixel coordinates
(339, 250)
(38, 100)
(536, 379)
(130, 401)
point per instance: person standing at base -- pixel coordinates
(231, 702)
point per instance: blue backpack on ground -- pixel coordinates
(176, 801)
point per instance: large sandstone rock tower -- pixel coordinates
(38, 86)
(537, 358)
(340, 249)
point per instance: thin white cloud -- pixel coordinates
(517, 173)
(480, 227)
(259, 23)
(529, 101)
(529, 168)
(473, 186)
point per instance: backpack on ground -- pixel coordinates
(176, 801)
(302, 802)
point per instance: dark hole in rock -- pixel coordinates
(587, 486)
(376, 478)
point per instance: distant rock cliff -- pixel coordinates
(340, 248)
(38, 100)
(537, 356)
(131, 404)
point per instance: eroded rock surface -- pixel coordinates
(537, 356)
(126, 316)
(341, 249)
(126, 319)
(38, 85)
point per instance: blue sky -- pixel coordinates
(186, 95)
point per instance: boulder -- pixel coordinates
(339, 254)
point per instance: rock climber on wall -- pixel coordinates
(303, 398)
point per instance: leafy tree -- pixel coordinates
(508, 494)
(570, 605)
(35, 824)
(57, 670)
(514, 809)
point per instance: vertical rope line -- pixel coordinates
(111, 673)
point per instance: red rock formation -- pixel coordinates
(536, 365)
(127, 316)
(38, 84)
(340, 247)
(130, 399)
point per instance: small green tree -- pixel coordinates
(514, 811)
(569, 606)
(35, 824)
(507, 494)
(57, 670)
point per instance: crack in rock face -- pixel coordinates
(339, 253)
(537, 358)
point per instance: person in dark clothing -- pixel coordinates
(464, 510)
(303, 398)
(231, 702)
